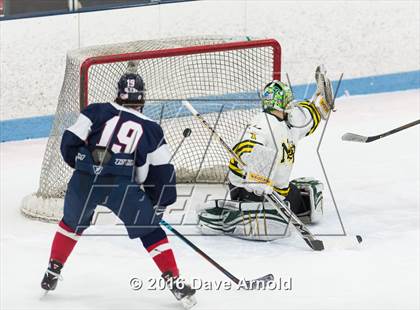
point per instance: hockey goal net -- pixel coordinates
(221, 77)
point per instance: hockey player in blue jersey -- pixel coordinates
(120, 160)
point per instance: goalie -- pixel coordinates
(268, 149)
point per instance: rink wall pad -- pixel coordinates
(360, 39)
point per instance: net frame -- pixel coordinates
(49, 209)
(181, 51)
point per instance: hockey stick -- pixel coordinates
(285, 212)
(250, 284)
(358, 138)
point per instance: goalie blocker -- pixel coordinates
(260, 220)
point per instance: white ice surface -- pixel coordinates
(376, 187)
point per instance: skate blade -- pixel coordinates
(188, 302)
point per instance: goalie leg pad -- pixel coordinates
(245, 220)
(311, 191)
(211, 215)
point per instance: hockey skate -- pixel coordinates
(52, 275)
(181, 290)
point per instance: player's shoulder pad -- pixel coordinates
(153, 135)
(95, 107)
(131, 111)
(155, 131)
(256, 129)
(96, 111)
(149, 124)
(259, 120)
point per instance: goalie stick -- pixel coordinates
(250, 284)
(364, 139)
(285, 212)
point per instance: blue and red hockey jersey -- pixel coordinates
(122, 130)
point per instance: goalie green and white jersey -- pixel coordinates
(269, 144)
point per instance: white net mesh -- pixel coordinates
(219, 76)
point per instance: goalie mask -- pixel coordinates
(130, 90)
(276, 96)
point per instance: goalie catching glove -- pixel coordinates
(323, 97)
(322, 106)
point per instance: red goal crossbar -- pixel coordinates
(84, 69)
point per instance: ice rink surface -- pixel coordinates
(376, 188)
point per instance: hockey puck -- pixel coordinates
(359, 238)
(186, 132)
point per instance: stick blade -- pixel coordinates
(259, 283)
(316, 245)
(354, 138)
